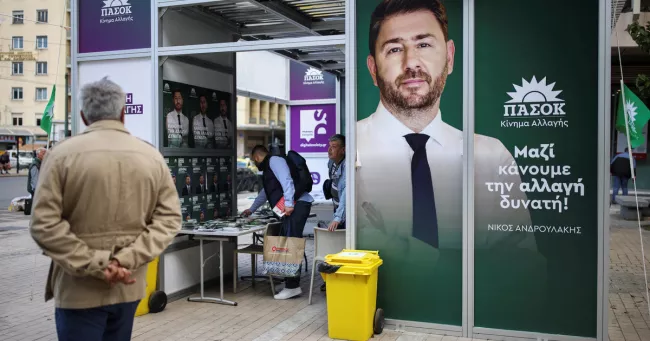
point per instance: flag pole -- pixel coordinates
(49, 136)
(629, 149)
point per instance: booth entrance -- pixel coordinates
(549, 280)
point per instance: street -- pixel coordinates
(11, 187)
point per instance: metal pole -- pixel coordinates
(17, 154)
(67, 109)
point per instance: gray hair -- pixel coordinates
(338, 137)
(102, 100)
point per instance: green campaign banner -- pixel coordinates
(536, 99)
(409, 152)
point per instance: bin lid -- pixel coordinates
(355, 262)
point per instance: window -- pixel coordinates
(17, 68)
(41, 94)
(41, 15)
(17, 119)
(41, 42)
(17, 93)
(41, 68)
(38, 119)
(18, 17)
(17, 43)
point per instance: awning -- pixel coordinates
(22, 131)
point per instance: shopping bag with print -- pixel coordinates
(283, 255)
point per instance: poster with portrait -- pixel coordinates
(172, 164)
(409, 154)
(186, 208)
(198, 208)
(196, 117)
(184, 177)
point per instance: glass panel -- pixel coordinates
(409, 186)
(536, 153)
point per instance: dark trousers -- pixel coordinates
(620, 183)
(295, 224)
(107, 323)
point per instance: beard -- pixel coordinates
(412, 102)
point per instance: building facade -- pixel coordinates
(34, 55)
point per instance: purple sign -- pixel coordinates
(311, 127)
(114, 25)
(132, 109)
(310, 83)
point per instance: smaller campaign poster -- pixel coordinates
(212, 179)
(184, 181)
(225, 178)
(198, 209)
(198, 179)
(186, 208)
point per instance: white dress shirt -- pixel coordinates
(203, 135)
(177, 133)
(223, 131)
(384, 192)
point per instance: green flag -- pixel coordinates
(638, 115)
(48, 115)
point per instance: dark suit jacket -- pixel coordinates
(185, 192)
(200, 189)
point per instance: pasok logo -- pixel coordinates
(313, 76)
(116, 8)
(534, 100)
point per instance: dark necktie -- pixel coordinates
(425, 219)
(225, 126)
(204, 122)
(179, 119)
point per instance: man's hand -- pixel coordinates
(288, 210)
(115, 273)
(246, 213)
(333, 226)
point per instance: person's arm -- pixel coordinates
(33, 171)
(282, 172)
(157, 235)
(339, 215)
(52, 233)
(259, 201)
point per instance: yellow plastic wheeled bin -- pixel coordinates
(352, 312)
(153, 301)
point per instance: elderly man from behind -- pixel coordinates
(34, 171)
(105, 206)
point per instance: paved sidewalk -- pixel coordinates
(24, 316)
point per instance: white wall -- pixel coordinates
(264, 73)
(624, 37)
(135, 77)
(182, 269)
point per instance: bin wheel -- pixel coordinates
(378, 325)
(157, 302)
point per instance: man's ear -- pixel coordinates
(83, 118)
(122, 115)
(372, 68)
(451, 52)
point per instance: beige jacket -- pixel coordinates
(103, 194)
